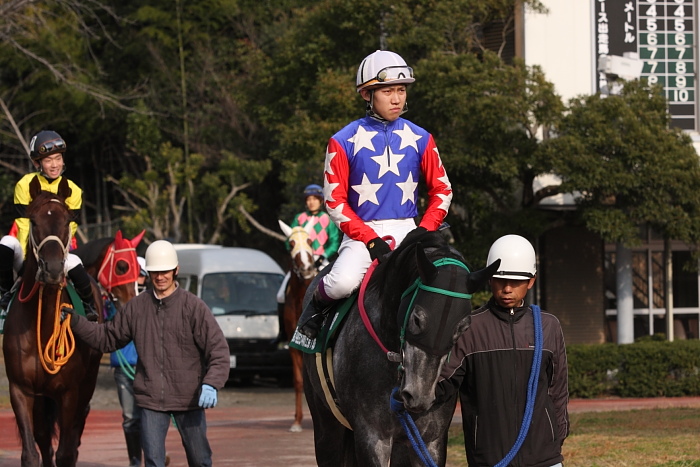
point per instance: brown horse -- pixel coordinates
(51, 375)
(112, 262)
(302, 272)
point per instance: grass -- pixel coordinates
(636, 438)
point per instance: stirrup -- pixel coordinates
(313, 325)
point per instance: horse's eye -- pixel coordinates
(291, 243)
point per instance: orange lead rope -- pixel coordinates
(61, 344)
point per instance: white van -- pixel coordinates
(239, 285)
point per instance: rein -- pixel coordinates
(61, 344)
(415, 287)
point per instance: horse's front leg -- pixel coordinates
(23, 407)
(72, 414)
(371, 450)
(298, 381)
(44, 427)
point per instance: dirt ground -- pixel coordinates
(248, 428)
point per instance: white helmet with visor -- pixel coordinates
(517, 257)
(161, 256)
(383, 67)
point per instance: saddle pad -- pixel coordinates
(312, 346)
(75, 299)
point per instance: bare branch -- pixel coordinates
(9, 116)
(259, 226)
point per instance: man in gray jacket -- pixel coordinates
(183, 357)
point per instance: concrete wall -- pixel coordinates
(561, 42)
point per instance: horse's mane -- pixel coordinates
(400, 268)
(90, 252)
(434, 244)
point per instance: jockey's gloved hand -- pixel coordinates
(378, 248)
(414, 234)
(319, 262)
(207, 398)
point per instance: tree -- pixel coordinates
(157, 196)
(629, 167)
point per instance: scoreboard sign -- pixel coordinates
(663, 34)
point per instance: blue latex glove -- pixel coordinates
(208, 398)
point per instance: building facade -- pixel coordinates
(577, 269)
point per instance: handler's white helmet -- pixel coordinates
(517, 257)
(383, 67)
(161, 256)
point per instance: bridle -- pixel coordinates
(36, 249)
(300, 246)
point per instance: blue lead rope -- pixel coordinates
(531, 389)
(411, 430)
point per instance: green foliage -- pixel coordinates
(592, 369)
(237, 94)
(629, 167)
(643, 369)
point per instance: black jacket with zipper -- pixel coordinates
(490, 365)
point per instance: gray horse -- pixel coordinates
(418, 303)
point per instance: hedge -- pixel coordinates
(642, 369)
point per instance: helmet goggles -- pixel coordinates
(53, 146)
(391, 73)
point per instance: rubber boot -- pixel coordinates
(312, 317)
(83, 285)
(282, 337)
(133, 448)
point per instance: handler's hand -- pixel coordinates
(208, 398)
(67, 311)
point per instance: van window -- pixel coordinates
(188, 283)
(241, 293)
(192, 286)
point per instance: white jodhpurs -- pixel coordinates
(18, 259)
(354, 260)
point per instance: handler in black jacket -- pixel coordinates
(490, 366)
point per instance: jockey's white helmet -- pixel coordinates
(383, 67)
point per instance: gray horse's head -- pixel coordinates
(434, 315)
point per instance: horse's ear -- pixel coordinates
(477, 279)
(309, 228)
(426, 269)
(118, 237)
(137, 239)
(286, 230)
(64, 191)
(34, 187)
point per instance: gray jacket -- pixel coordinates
(179, 343)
